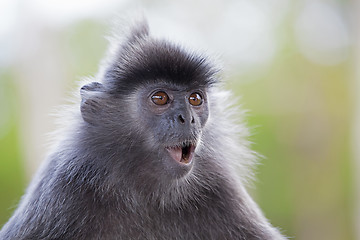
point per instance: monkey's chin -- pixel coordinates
(182, 154)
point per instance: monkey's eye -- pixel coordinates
(160, 98)
(195, 99)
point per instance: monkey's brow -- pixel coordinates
(163, 85)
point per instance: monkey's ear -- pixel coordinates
(90, 106)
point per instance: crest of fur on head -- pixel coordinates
(140, 57)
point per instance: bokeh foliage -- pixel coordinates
(301, 118)
(11, 169)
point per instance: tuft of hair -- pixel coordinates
(140, 58)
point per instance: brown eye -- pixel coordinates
(160, 98)
(195, 99)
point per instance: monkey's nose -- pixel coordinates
(182, 119)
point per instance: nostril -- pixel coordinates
(192, 120)
(181, 119)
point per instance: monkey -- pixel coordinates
(152, 151)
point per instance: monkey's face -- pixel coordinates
(173, 118)
(156, 128)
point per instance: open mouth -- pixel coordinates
(182, 154)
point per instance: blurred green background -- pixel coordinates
(292, 63)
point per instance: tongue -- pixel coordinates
(175, 153)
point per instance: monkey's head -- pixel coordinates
(150, 108)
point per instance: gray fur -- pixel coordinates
(109, 177)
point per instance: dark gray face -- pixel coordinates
(173, 118)
(158, 126)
